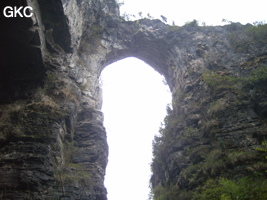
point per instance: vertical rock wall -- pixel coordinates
(52, 140)
(53, 143)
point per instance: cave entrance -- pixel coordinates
(134, 104)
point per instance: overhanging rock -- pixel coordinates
(52, 140)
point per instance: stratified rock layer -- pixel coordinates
(52, 140)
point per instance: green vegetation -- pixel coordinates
(246, 188)
(263, 149)
(179, 96)
(71, 173)
(206, 162)
(149, 16)
(44, 108)
(7, 110)
(67, 172)
(234, 157)
(84, 86)
(163, 141)
(173, 28)
(233, 26)
(6, 114)
(140, 14)
(254, 33)
(205, 167)
(91, 40)
(190, 132)
(50, 80)
(127, 17)
(258, 31)
(193, 23)
(57, 87)
(217, 80)
(213, 162)
(31, 117)
(76, 174)
(217, 106)
(170, 193)
(164, 19)
(258, 74)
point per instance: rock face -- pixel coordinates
(52, 140)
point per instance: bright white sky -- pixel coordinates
(210, 11)
(135, 98)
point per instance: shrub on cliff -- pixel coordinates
(245, 188)
(258, 32)
(217, 80)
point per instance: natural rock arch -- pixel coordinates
(50, 96)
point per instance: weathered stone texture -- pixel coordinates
(52, 140)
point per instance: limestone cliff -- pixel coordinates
(52, 140)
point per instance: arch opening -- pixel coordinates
(134, 104)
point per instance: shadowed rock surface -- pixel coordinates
(52, 140)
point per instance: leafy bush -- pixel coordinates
(245, 188)
(263, 149)
(193, 23)
(258, 32)
(219, 80)
(170, 193)
(257, 75)
(216, 106)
